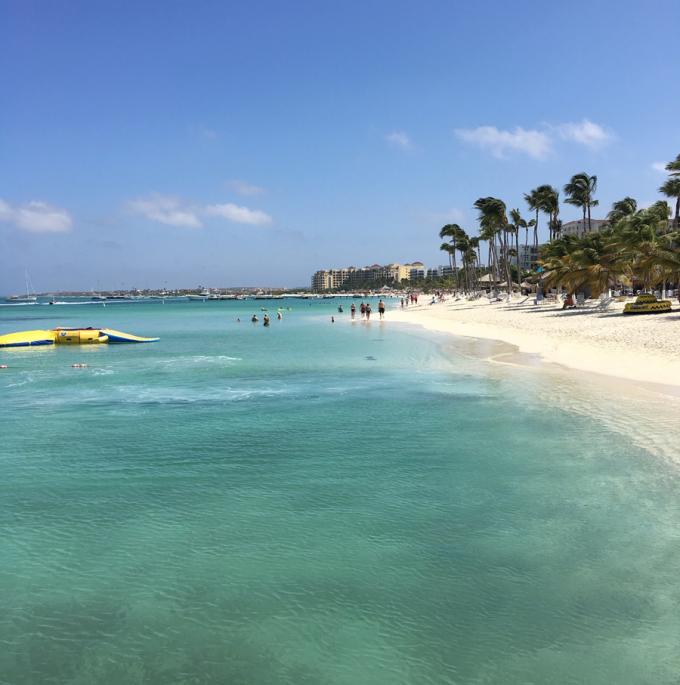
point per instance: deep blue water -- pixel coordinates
(323, 503)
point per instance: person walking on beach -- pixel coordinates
(368, 312)
(353, 310)
(381, 308)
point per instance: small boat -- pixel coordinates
(69, 336)
(647, 304)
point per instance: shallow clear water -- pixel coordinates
(323, 503)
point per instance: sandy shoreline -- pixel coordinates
(638, 348)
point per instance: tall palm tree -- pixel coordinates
(518, 222)
(455, 233)
(550, 205)
(580, 191)
(534, 200)
(671, 189)
(449, 249)
(493, 220)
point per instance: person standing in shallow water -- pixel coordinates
(362, 309)
(353, 310)
(381, 308)
(368, 312)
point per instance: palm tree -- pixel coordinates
(580, 191)
(492, 221)
(534, 200)
(449, 249)
(518, 223)
(673, 168)
(590, 262)
(621, 209)
(550, 205)
(645, 247)
(455, 233)
(671, 188)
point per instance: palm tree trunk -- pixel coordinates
(536, 231)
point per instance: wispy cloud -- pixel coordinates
(166, 209)
(171, 211)
(531, 142)
(239, 215)
(243, 187)
(586, 133)
(659, 166)
(399, 139)
(36, 217)
(537, 143)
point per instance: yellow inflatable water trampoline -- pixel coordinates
(69, 336)
(647, 304)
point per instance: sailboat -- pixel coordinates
(27, 297)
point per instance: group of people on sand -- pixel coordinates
(411, 297)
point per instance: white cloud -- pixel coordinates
(166, 210)
(244, 188)
(586, 133)
(239, 215)
(169, 210)
(531, 142)
(659, 166)
(399, 139)
(36, 217)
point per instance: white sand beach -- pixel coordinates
(641, 348)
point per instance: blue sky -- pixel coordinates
(173, 143)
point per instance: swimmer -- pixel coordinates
(279, 316)
(332, 319)
(265, 320)
(238, 319)
(254, 318)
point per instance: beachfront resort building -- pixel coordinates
(359, 277)
(528, 257)
(580, 227)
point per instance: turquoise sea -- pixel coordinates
(319, 503)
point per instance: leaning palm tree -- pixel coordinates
(579, 192)
(671, 189)
(621, 209)
(673, 168)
